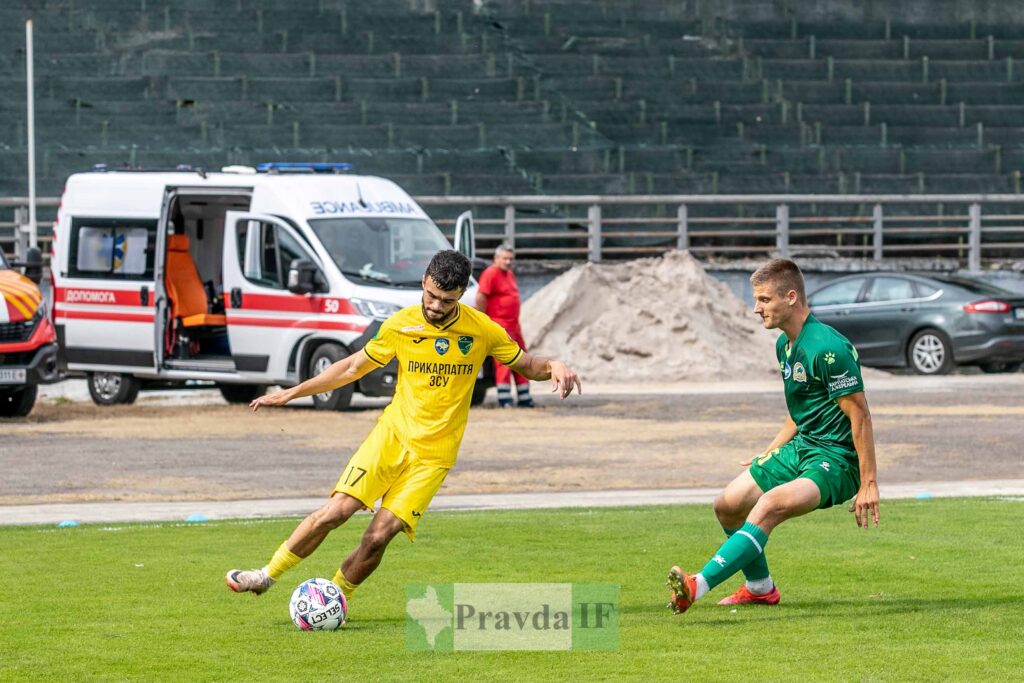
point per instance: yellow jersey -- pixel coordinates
(437, 367)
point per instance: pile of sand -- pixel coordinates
(657, 320)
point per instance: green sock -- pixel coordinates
(742, 548)
(758, 568)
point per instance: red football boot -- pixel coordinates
(744, 597)
(684, 590)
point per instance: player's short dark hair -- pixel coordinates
(449, 270)
(783, 274)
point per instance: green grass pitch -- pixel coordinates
(934, 594)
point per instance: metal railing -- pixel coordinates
(15, 234)
(971, 228)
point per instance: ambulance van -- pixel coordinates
(245, 278)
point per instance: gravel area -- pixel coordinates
(190, 445)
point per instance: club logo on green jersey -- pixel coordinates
(441, 345)
(830, 358)
(465, 343)
(799, 373)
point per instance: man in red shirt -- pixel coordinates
(498, 296)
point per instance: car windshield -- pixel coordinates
(974, 286)
(382, 251)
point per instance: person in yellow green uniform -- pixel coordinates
(440, 346)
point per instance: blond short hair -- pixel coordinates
(783, 274)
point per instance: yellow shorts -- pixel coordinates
(383, 469)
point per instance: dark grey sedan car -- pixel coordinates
(930, 323)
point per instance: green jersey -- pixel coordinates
(817, 368)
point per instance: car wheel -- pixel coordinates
(993, 368)
(324, 357)
(241, 393)
(18, 403)
(112, 388)
(930, 353)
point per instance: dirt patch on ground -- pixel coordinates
(980, 410)
(69, 452)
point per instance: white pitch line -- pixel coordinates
(91, 513)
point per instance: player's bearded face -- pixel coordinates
(439, 305)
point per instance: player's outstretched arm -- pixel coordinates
(539, 369)
(865, 505)
(785, 435)
(344, 371)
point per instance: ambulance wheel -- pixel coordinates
(18, 403)
(479, 393)
(112, 388)
(241, 393)
(324, 357)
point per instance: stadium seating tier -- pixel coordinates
(567, 96)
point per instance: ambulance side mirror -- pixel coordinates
(301, 276)
(33, 264)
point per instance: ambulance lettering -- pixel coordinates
(89, 296)
(324, 208)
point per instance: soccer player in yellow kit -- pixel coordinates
(440, 346)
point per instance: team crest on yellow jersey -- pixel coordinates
(441, 345)
(465, 343)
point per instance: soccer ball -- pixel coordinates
(318, 605)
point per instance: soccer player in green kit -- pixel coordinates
(823, 455)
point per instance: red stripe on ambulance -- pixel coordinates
(302, 304)
(102, 315)
(235, 319)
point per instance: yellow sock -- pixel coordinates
(282, 561)
(347, 587)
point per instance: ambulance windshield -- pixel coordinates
(383, 251)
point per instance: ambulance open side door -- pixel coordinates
(465, 235)
(266, 321)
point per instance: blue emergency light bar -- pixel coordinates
(302, 167)
(269, 167)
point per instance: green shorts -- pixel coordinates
(836, 478)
